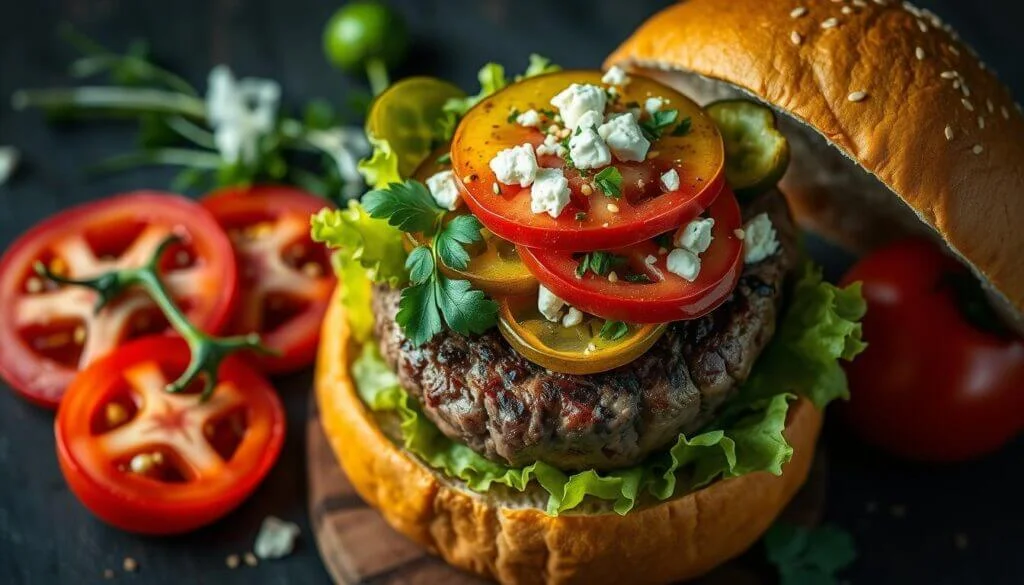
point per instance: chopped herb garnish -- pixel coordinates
(683, 128)
(600, 263)
(444, 158)
(640, 277)
(580, 216)
(568, 155)
(614, 330)
(512, 115)
(609, 180)
(549, 114)
(432, 298)
(653, 126)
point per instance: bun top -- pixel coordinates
(891, 88)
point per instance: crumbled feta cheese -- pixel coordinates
(683, 263)
(651, 259)
(759, 241)
(624, 139)
(240, 112)
(276, 538)
(515, 165)
(8, 161)
(576, 100)
(654, 104)
(549, 304)
(573, 317)
(696, 236)
(670, 180)
(586, 147)
(346, 145)
(590, 120)
(444, 187)
(529, 118)
(551, 145)
(616, 76)
(550, 192)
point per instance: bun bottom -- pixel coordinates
(514, 543)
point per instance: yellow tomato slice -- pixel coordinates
(494, 265)
(408, 115)
(579, 349)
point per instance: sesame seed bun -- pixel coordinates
(895, 125)
(506, 536)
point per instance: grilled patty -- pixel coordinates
(482, 393)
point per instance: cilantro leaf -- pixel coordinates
(420, 264)
(465, 309)
(600, 263)
(653, 126)
(418, 313)
(609, 180)
(407, 206)
(809, 556)
(683, 128)
(463, 229)
(614, 330)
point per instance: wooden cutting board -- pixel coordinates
(359, 548)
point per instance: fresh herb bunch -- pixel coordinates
(809, 556)
(235, 134)
(432, 299)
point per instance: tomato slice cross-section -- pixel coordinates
(151, 462)
(49, 332)
(644, 290)
(286, 278)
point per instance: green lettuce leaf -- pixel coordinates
(381, 169)
(819, 328)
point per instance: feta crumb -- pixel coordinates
(551, 145)
(515, 165)
(576, 100)
(624, 139)
(550, 192)
(529, 118)
(616, 76)
(586, 147)
(651, 259)
(654, 104)
(549, 304)
(759, 239)
(241, 112)
(444, 188)
(8, 161)
(684, 263)
(573, 317)
(696, 236)
(670, 180)
(276, 538)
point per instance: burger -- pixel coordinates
(576, 339)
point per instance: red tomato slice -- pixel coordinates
(587, 223)
(665, 296)
(151, 462)
(286, 278)
(48, 333)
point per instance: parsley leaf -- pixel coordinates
(463, 229)
(512, 115)
(609, 180)
(683, 128)
(420, 264)
(465, 309)
(418, 313)
(614, 330)
(407, 206)
(805, 556)
(653, 126)
(600, 263)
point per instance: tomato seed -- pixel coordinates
(115, 414)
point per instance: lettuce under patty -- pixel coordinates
(820, 327)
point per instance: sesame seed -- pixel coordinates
(991, 107)
(981, 122)
(978, 149)
(466, 180)
(954, 50)
(949, 74)
(949, 132)
(739, 233)
(921, 25)
(613, 208)
(798, 12)
(591, 348)
(796, 38)
(1006, 113)
(587, 190)
(920, 53)
(653, 154)
(857, 96)
(846, 10)
(956, 84)
(79, 335)
(496, 188)
(830, 23)
(613, 277)
(967, 104)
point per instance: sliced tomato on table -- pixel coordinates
(494, 265)
(49, 332)
(286, 278)
(644, 291)
(642, 211)
(151, 462)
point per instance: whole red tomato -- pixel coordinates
(940, 380)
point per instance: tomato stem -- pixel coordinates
(377, 73)
(207, 351)
(110, 99)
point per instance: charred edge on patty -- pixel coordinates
(482, 393)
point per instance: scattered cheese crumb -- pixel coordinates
(670, 180)
(549, 304)
(576, 100)
(444, 188)
(654, 104)
(616, 76)
(573, 317)
(586, 147)
(759, 239)
(515, 165)
(550, 192)
(624, 138)
(529, 118)
(276, 538)
(696, 235)
(551, 145)
(684, 263)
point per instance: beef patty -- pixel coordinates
(482, 393)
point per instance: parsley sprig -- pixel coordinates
(609, 180)
(432, 299)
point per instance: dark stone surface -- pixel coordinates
(47, 537)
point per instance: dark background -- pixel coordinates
(907, 519)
